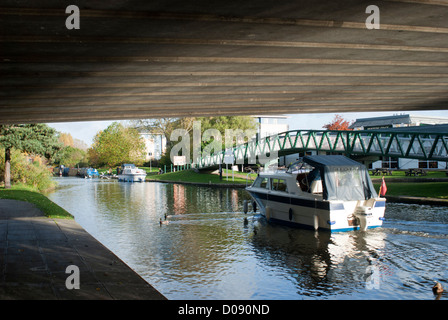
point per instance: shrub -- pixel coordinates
(33, 174)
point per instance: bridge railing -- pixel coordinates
(412, 145)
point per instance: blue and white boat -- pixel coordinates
(130, 173)
(88, 172)
(320, 192)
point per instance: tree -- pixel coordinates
(66, 139)
(166, 126)
(70, 157)
(79, 144)
(163, 126)
(224, 123)
(117, 145)
(228, 122)
(31, 138)
(71, 154)
(338, 123)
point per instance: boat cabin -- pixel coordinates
(128, 166)
(331, 177)
(328, 192)
(342, 178)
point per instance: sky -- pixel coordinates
(86, 131)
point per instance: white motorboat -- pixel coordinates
(130, 173)
(320, 192)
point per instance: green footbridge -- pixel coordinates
(362, 143)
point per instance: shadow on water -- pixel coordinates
(212, 250)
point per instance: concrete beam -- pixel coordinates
(139, 59)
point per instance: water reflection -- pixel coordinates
(212, 250)
(179, 201)
(321, 263)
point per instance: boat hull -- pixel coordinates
(335, 216)
(131, 177)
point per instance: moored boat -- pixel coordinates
(130, 173)
(320, 192)
(87, 172)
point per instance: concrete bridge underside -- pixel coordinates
(146, 59)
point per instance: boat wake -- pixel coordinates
(417, 233)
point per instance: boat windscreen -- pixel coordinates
(343, 178)
(348, 184)
(128, 165)
(298, 167)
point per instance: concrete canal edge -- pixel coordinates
(56, 259)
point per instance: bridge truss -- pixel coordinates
(399, 144)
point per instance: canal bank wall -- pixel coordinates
(417, 200)
(56, 259)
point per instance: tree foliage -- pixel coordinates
(163, 126)
(71, 157)
(117, 145)
(223, 123)
(71, 154)
(66, 139)
(166, 126)
(227, 122)
(30, 138)
(338, 123)
(32, 174)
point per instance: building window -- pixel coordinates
(389, 163)
(423, 164)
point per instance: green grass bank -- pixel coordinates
(48, 207)
(438, 190)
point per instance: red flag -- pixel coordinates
(383, 188)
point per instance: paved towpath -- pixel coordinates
(35, 252)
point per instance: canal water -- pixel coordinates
(212, 250)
